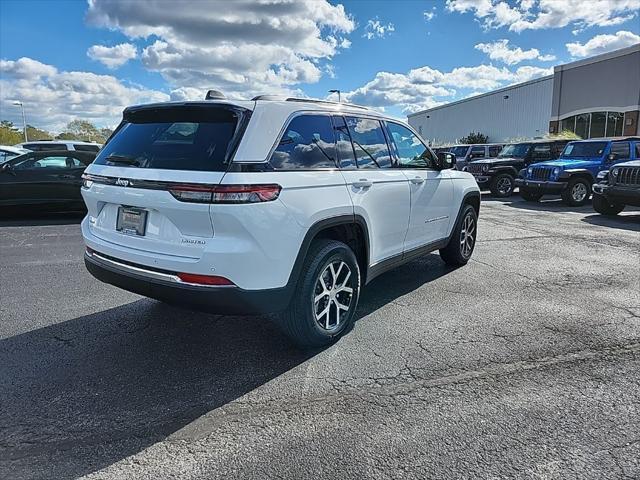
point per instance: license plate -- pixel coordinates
(131, 221)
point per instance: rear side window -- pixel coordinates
(86, 148)
(541, 151)
(369, 143)
(307, 143)
(477, 152)
(175, 138)
(621, 149)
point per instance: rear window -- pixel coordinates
(45, 147)
(86, 148)
(584, 149)
(177, 138)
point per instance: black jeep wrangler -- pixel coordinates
(499, 174)
(618, 187)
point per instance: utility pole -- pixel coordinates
(24, 119)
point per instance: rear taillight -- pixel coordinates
(226, 193)
(204, 279)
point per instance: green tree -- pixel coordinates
(85, 131)
(8, 134)
(475, 137)
(34, 134)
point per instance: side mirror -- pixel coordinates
(612, 157)
(445, 160)
(6, 168)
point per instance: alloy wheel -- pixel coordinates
(332, 295)
(467, 235)
(504, 186)
(579, 192)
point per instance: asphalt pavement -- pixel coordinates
(523, 364)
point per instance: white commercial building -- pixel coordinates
(594, 97)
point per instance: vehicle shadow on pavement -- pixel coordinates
(554, 205)
(38, 219)
(400, 281)
(622, 221)
(83, 394)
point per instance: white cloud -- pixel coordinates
(52, 98)
(540, 14)
(241, 47)
(602, 44)
(428, 16)
(113, 57)
(426, 87)
(376, 29)
(501, 51)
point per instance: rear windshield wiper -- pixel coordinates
(114, 158)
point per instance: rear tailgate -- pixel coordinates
(130, 189)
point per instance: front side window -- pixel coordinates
(175, 138)
(48, 162)
(369, 143)
(621, 149)
(411, 152)
(494, 150)
(307, 143)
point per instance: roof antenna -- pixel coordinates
(214, 95)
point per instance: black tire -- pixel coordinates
(502, 185)
(570, 195)
(604, 207)
(299, 322)
(530, 196)
(457, 253)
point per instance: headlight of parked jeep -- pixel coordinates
(556, 171)
(529, 171)
(614, 172)
(485, 168)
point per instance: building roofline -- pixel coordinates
(492, 92)
(598, 58)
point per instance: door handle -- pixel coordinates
(363, 183)
(417, 180)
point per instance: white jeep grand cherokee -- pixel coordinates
(270, 205)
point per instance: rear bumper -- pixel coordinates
(226, 300)
(541, 187)
(617, 194)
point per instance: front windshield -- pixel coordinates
(516, 150)
(584, 149)
(459, 151)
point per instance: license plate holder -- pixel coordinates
(131, 221)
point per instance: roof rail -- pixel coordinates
(269, 97)
(326, 102)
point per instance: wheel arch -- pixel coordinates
(349, 229)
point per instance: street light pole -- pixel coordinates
(24, 119)
(338, 92)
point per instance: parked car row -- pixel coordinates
(610, 167)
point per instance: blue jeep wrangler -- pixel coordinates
(573, 174)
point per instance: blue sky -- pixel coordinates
(78, 59)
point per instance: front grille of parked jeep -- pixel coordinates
(541, 173)
(474, 168)
(628, 176)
